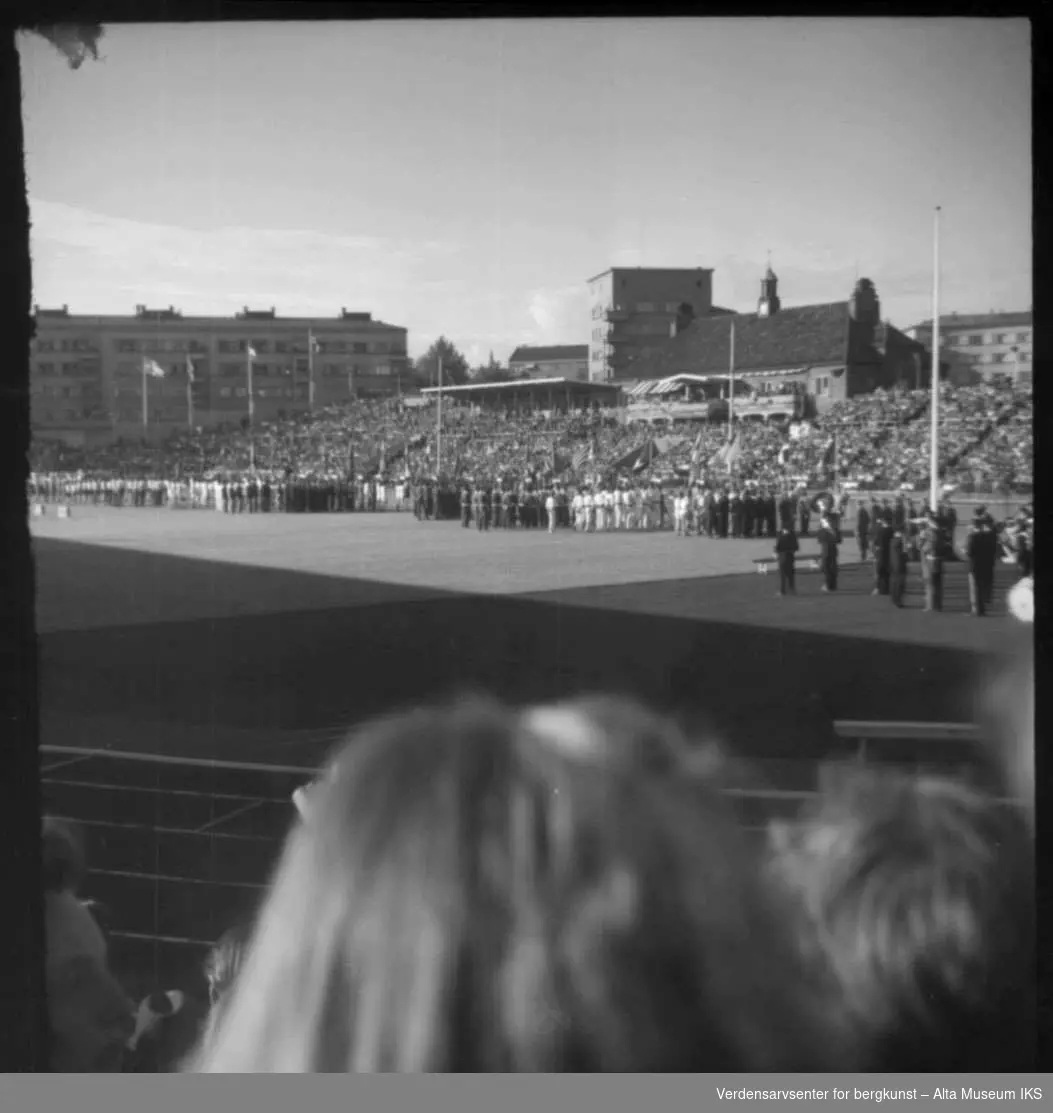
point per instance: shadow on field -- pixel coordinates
(772, 692)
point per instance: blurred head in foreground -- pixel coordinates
(485, 890)
(90, 1016)
(918, 894)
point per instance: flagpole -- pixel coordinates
(252, 410)
(310, 369)
(934, 433)
(190, 403)
(731, 383)
(146, 419)
(438, 419)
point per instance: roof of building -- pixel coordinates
(979, 320)
(518, 386)
(653, 270)
(800, 336)
(527, 354)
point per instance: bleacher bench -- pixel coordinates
(801, 560)
(864, 735)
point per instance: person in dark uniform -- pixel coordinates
(931, 545)
(786, 546)
(709, 513)
(863, 530)
(750, 514)
(981, 549)
(882, 566)
(899, 514)
(735, 514)
(771, 513)
(266, 495)
(476, 509)
(722, 514)
(897, 559)
(467, 497)
(429, 500)
(253, 492)
(513, 510)
(486, 508)
(828, 541)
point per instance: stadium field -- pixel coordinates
(192, 663)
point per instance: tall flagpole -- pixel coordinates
(934, 432)
(438, 419)
(310, 369)
(190, 394)
(731, 382)
(252, 409)
(146, 419)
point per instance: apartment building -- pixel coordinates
(635, 310)
(87, 382)
(983, 345)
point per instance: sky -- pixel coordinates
(466, 178)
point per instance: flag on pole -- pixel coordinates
(579, 457)
(152, 367)
(252, 352)
(189, 368)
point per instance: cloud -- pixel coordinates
(560, 314)
(218, 269)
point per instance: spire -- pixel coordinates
(768, 303)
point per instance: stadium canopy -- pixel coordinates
(651, 389)
(539, 391)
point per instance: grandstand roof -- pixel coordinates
(527, 354)
(523, 386)
(800, 336)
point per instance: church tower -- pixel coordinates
(768, 303)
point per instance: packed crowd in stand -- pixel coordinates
(879, 441)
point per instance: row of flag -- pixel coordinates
(155, 370)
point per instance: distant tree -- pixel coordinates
(454, 365)
(73, 40)
(491, 372)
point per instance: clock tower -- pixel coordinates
(768, 303)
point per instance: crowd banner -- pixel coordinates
(521, 1094)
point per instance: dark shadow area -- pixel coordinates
(772, 691)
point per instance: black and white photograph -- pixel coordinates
(531, 526)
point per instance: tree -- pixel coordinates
(75, 40)
(454, 365)
(491, 372)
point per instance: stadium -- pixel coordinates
(199, 666)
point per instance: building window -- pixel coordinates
(230, 368)
(127, 345)
(1022, 337)
(45, 368)
(645, 307)
(45, 345)
(241, 392)
(224, 392)
(359, 347)
(975, 340)
(228, 346)
(281, 346)
(260, 346)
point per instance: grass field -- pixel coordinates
(169, 637)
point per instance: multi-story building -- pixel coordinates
(564, 361)
(87, 381)
(635, 310)
(983, 345)
(822, 354)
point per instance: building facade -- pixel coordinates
(983, 346)
(635, 310)
(87, 382)
(564, 361)
(815, 355)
